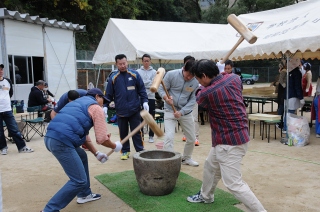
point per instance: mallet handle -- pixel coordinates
(232, 50)
(165, 89)
(132, 133)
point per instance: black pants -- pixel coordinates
(152, 108)
(123, 124)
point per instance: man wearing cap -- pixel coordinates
(65, 134)
(7, 117)
(127, 90)
(65, 99)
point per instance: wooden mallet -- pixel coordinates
(147, 119)
(243, 31)
(156, 83)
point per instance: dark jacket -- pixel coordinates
(72, 123)
(36, 97)
(127, 91)
(295, 87)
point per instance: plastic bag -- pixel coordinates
(298, 130)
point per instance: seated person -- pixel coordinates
(36, 96)
(47, 94)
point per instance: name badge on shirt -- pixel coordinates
(130, 88)
(189, 89)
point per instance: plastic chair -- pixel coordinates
(33, 124)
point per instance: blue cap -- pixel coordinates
(96, 91)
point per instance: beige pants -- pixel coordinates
(195, 120)
(187, 125)
(224, 162)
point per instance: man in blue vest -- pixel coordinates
(65, 99)
(65, 134)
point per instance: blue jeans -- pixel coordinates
(13, 129)
(74, 162)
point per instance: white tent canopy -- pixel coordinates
(294, 29)
(169, 41)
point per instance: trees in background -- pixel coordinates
(95, 14)
(218, 12)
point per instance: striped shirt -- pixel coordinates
(224, 103)
(99, 123)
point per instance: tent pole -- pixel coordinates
(87, 80)
(98, 76)
(286, 106)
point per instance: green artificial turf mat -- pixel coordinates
(125, 186)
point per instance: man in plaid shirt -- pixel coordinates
(222, 97)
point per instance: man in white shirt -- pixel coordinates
(7, 117)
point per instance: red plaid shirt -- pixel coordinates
(224, 103)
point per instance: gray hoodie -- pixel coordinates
(147, 77)
(182, 92)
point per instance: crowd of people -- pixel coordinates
(299, 87)
(198, 86)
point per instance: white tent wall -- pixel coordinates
(3, 48)
(60, 60)
(43, 47)
(24, 40)
(109, 45)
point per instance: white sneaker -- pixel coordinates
(189, 162)
(197, 198)
(26, 150)
(89, 198)
(4, 151)
(317, 135)
(151, 140)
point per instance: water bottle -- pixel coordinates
(14, 110)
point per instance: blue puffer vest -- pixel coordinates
(72, 123)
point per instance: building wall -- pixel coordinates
(60, 60)
(56, 46)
